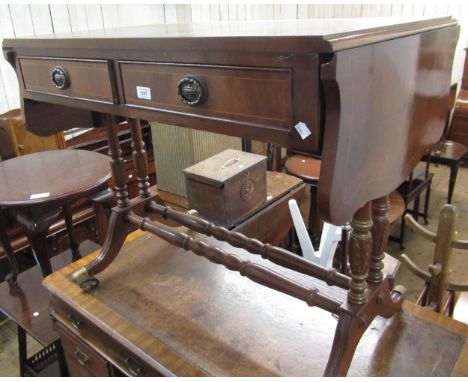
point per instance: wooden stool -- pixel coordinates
(448, 153)
(411, 191)
(308, 169)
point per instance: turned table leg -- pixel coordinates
(37, 224)
(380, 230)
(360, 247)
(139, 158)
(117, 162)
(5, 241)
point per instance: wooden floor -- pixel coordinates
(416, 248)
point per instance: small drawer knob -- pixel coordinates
(75, 321)
(60, 78)
(192, 90)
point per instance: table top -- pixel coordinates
(323, 34)
(51, 176)
(197, 318)
(448, 151)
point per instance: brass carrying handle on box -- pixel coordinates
(229, 162)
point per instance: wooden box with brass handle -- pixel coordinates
(227, 187)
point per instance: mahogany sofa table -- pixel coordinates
(37, 186)
(346, 89)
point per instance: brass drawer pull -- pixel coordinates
(75, 322)
(134, 369)
(81, 357)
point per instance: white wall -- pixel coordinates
(36, 19)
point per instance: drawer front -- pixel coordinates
(82, 361)
(250, 95)
(120, 357)
(86, 79)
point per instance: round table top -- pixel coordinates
(306, 168)
(51, 176)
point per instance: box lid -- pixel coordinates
(223, 166)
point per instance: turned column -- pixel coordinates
(380, 231)
(117, 162)
(139, 158)
(360, 245)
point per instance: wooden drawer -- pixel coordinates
(87, 79)
(260, 96)
(82, 361)
(119, 356)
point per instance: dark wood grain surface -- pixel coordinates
(324, 35)
(181, 313)
(382, 126)
(60, 173)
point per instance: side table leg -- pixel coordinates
(22, 350)
(37, 227)
(74, 245)
(453, 178)
(5, 242)
(360, 253)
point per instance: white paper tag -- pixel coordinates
(38, 196)
(143, 92)
(302, 129)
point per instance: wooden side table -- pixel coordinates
(448, 153)
(37, 186)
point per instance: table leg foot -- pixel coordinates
(351, 326)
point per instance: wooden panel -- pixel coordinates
(74, 326)
(82, 361)
(89, 79)
(255, 96)
(383, 126)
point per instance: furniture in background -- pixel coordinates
(308, 169)
(313, 92)
(270, 222)
(16, 140)
(176, 149)
(458, 131)
(419, 181)
(439, 292)
(38, 187)
(205, 320)
(95, 139)
(448, 153)
(27, 304)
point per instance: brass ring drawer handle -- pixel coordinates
(81, 357)
(134, 369)
(75, 322)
